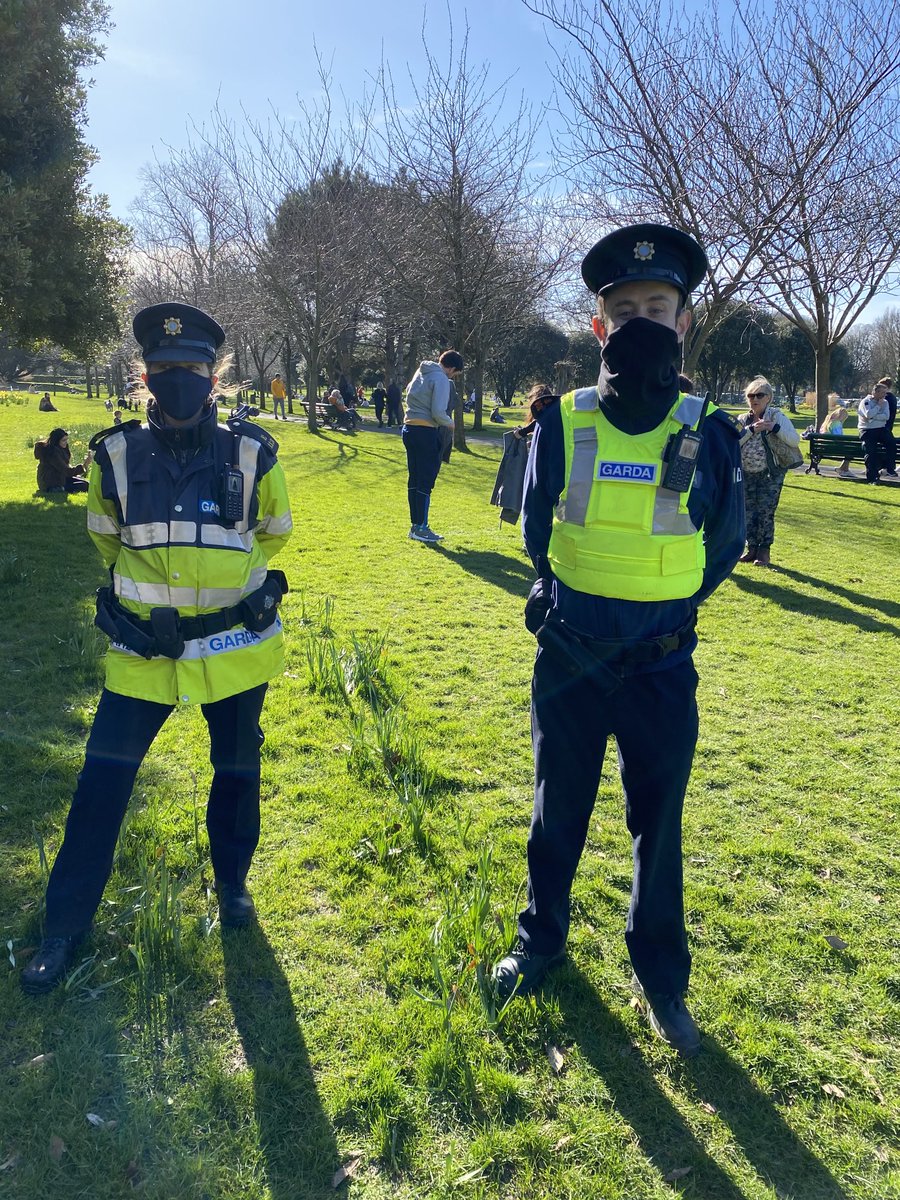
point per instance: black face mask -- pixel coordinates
(638, 377)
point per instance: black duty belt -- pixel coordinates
(581, 652)
(166, 631)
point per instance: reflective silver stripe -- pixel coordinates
(183, 531)
(587, 400)
(249, 454)
(667, 518)
(154, 533)
(101, 523)
(186, 597)
(116, 449)
(154, 593)
(227, 539)
(282, 524)
(581, 477)
(688, 411)
(212, 647)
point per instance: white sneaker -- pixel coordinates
(846, 475)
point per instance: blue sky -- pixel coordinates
(168, 61)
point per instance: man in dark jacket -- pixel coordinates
(378, 398)
(394, 404)
(633, 514)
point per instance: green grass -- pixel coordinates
(356, 1023)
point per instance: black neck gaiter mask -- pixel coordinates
(638, 377)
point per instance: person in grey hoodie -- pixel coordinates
(427, 403)
(874, 415)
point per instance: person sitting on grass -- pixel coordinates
(54, 473)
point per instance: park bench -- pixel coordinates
(839, 447)
(325, 413)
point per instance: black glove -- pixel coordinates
(538, 605)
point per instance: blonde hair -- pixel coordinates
(838, 413)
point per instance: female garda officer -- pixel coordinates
(631, 521)
(186, 513)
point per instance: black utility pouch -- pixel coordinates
(261, 607)
(167, 632)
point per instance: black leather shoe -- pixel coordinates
(670, 1020)
(236, 907)
(49, 965)
(522, 972)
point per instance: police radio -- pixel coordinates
(681, 453)
(232, 493)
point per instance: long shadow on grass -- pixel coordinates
(810, 606)
(887, 608)
(502, 570)
(296, 1137)
(663, 1133)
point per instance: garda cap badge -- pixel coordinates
(644, 251)
(171, 327)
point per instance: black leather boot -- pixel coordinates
(236, 908)
(670, 1019)
(521, 963)
(49, 966)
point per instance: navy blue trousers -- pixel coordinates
(423, 461)
(123, 731)
(653, 718)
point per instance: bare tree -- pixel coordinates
(756, 136)
(884, 345)
(487, 250)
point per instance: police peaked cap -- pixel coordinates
(640, 252)
(177, 333)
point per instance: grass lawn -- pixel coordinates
(354, 1027)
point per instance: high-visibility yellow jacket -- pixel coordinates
(616, 531)
(157, 526)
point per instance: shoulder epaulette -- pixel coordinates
(105, 433)
(542, 403)
(248, 429)
(733, 422)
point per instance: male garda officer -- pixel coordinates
(633, 514)
(186, 513)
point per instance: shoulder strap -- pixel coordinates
(248, 429)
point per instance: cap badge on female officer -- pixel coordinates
(178, 333)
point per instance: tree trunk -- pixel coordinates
(87, 377)
(477, 377)
(823, 377)
(312, 388)
(288, 376)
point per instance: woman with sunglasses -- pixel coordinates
(762, 481)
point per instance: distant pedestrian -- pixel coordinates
(762, 481)
(427, 411)
(378, 398)
(891, 402)
(873, 416)
(279, 395)
(394, 404)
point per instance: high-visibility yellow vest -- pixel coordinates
(159, 530)
(616, 531)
